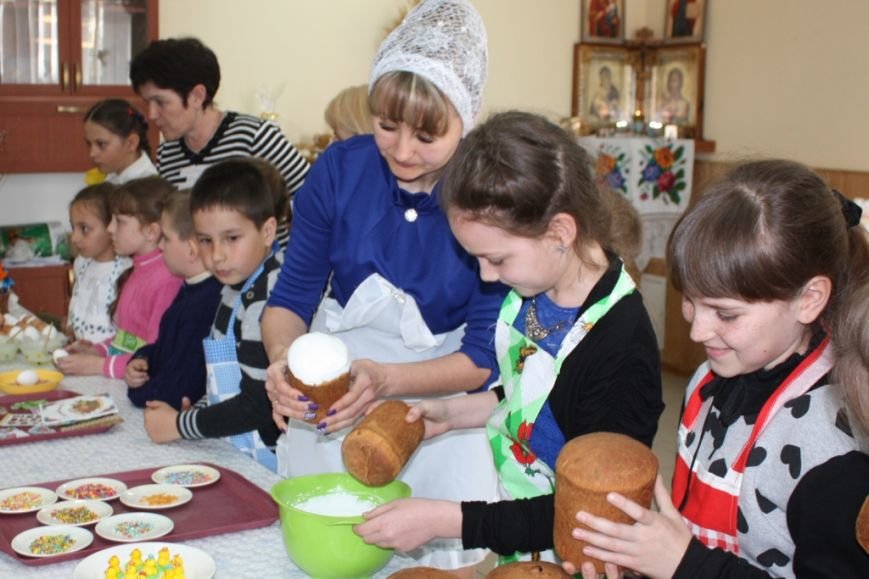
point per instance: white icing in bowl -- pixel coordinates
(338, 504)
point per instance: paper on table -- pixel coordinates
(77, 409)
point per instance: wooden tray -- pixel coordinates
(231, 504)
(91, 427)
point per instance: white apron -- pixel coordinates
(383, 323)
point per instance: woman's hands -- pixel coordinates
(287, 402)
(366, 378)
(405, 524)
(652, 546)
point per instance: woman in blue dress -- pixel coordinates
(400, 292)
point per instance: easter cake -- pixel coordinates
(318, 365)
(377, 449)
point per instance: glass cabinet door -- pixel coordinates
(112, 33)
(29, 42)
(64, 47)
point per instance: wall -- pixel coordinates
(784, 77)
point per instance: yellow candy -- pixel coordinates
(94, 176)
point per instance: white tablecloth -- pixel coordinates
(258, 553)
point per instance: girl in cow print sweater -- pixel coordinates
(769, 478)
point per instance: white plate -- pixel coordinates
(141, 497)
(186, 475)
(197, 563)
(79, 537)
(118, 527)
(49, 515)
(43, 497)
(70, 490)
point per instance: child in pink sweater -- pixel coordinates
(146, 291)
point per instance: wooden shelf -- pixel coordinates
(704, 146)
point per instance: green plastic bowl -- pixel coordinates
(323, 546)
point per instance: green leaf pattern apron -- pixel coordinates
(528, 374)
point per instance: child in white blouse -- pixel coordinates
(97, 267)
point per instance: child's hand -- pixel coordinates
(405, 524)
(82, 347)
(436, 415)
(653, 546)
(81, 364)
(160, 421)
(136, 372)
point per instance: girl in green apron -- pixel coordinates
(576, 349)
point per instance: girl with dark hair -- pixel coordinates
(116, 135)
(769, 478)
(97, 267)
(575, 347)
(144, 292)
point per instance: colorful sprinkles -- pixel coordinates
(96, 491)
(186, 478)
(22, 501)
(75, 515)
(51, 544)
(134, 530)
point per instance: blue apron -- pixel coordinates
(224, 377)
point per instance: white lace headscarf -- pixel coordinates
(445, 42)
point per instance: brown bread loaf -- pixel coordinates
(588, 468)
(377, 449)
(863, 526)
(538, 569)
(324, 395)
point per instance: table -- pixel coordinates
(257, 553)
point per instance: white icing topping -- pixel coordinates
(316, 358)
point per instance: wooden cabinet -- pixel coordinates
(57, 58)
(43, 290)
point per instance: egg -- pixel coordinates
(30, 333)
(58, 354)
(27, 378)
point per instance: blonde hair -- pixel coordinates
(405, 97)
(348, 112)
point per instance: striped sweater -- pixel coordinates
(250, 409)
(239, 135)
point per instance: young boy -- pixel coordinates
(234, 222)
(173, 368)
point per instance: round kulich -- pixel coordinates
(863, 526)
(377, 449)
(324, 395)
(422, 573)
(540, 569)
(588, 468)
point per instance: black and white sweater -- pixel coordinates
(250, 408)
